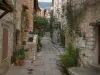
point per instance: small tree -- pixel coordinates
(40, 23)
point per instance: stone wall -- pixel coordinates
(23, 36)
(89, 53)
(31, 54)
(89, 42)
(6, 22)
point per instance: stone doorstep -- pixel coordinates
(82, 71)
(95, 67)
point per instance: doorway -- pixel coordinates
(98, 45)
(5, 44)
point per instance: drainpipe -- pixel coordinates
(14, 26)
(33, 18)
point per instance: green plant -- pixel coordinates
(41, 23)
(20, 54)
(73, 14)
(69, 59)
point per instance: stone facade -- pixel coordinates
(24, 19)
(40, 12)
(57, 12)
(89, 41)
(6, 22)
(90, 48)
(18, 24)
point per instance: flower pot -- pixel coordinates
(20, 62)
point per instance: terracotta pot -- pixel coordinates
(20, 62)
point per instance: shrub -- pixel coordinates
(21, 54)
(69, 59)
(40, 24)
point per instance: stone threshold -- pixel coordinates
(82, 71)
(95, 67)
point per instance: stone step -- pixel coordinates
(82, 71)
(95, 67)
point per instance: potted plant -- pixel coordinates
(20, 57)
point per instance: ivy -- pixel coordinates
(74, 17)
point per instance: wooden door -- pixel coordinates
(5, 44)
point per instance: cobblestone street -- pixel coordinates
(45, 63)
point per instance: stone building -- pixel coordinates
(24, 24)
(57, 9)
(59, 12)
(6, 34)
(59, 18)
(40, 12)
(89, 26)
(16, 21)
(43, 13)
(88, 42)
(90, 29)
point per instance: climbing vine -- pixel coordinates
(74, 17)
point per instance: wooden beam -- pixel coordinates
(3, 14)
(5, 5)
(94, 24)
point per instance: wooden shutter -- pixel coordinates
(5, 44)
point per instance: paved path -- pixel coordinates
(45, 63)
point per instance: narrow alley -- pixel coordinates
(49, 37)
(45, 64)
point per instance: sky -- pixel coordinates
(45, 0)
